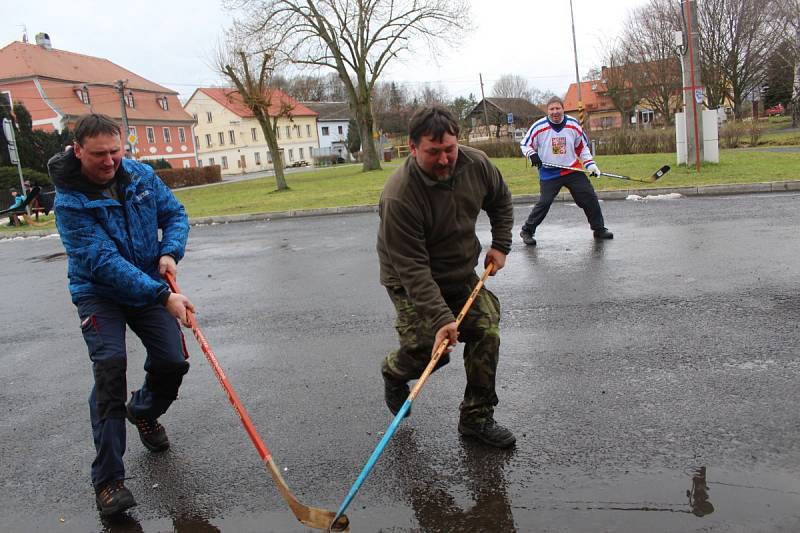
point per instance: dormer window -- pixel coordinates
(163, 103)
(129, 101)
(83, 94)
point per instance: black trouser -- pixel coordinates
(103, 323)
(582, 192)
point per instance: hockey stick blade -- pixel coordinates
(658, 174)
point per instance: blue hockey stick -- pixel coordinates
(407, 404)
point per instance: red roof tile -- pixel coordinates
(592, 94)
(231, 100)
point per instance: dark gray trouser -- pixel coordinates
(582, 192)
(479, 331)
(103, 325)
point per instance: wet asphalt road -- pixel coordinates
(625, 366)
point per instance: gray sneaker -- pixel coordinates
(527, 237)
(488, 432)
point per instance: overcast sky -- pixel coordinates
(169, 41)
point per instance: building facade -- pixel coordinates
(333, 121)
(57, 86)
(228, 134)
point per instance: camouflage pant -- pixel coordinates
(479, 331)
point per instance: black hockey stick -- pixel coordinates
(656, 175)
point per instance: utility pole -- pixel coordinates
(796, 89)
(124, 114)
(692, 85)
(577, 76)
(485, 115)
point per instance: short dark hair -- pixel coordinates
(95, 124)
(434, 121)
(555, 99)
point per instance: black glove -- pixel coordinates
(535, 160)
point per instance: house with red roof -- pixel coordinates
(57, 86)
(599, 110)
(229, 135)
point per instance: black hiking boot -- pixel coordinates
(488, 432)
(527, 237)
(151, 432)
(603, 234)
(113, 498)
(395, 393)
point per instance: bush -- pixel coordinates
(498, 148)
(755, 132)
(633, 141)
(731, 134)
(157, 164)
(175, 178)
(9, 177)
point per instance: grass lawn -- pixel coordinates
(348, 186)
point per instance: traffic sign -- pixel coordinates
(511, 118)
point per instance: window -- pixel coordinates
(163, 103)
(341, 130)
(232, 136)
(208, 141)
(83, 95)
(647, 116)
(129, 100)
(151, 135)
(199, 162)
(196, 141)
(288, 132)
(167, 135)
(254, 133)
(209, 118)
(325, 131)
(257, 158)
(211, 161)
(308, 130)
(277, 133)
(269, 158)
(182, 135)
(296, 130)
(301, 153)
(221, 138)
(291, 154)
(194, 116)
(224, 161)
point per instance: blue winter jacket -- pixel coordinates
(113, 248)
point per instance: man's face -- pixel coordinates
(100, 157)
(555, 112)
(436, 158)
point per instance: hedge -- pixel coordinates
(175, 178)
(9, 177)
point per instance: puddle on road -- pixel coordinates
(695, 500)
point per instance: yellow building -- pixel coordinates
(228, 134)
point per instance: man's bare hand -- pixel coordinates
(166, 263)
(178, 305)
(496, 258)
(449, 332)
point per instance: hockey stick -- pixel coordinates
(407, 404)
(656, 175)
(310, 516)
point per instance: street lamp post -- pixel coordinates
(577, 76)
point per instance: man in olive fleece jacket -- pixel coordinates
(428, 252)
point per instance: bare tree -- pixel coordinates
(620, 80)
(512, 86)
(737, 38)
(648, 41)
(356, 38)
(251, 76)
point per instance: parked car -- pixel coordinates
(775, 111)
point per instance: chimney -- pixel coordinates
(43, 40)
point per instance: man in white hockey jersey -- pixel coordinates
(559, 139)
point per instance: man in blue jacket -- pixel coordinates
(109, 212)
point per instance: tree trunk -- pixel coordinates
(369, 154)
(275, 152)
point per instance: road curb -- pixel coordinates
(617, 194)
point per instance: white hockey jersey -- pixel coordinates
(562, 144)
